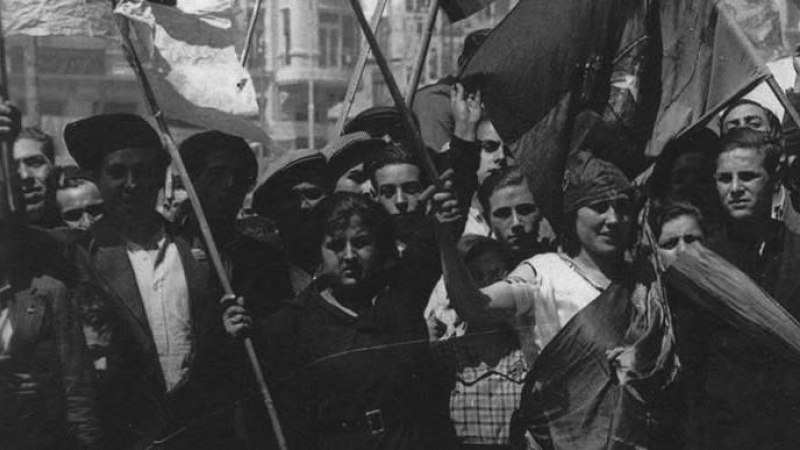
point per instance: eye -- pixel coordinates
(387, 190)
(361, 241)
(689, 238)
(35, 161)
(749, 176)
(525, 209)
(412, 187)
(622, 206)
(115, 171)
(600, 207)
(502, 213)
(754, 122)
(724, 177)
(490, 146)
(669, 244)
(335, 245)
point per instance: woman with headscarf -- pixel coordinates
(593, 332)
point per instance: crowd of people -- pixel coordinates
(389, 309)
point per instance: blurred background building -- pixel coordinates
(302, 58)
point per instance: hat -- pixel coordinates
(292, 168)
(378, 121)
(350, 150)
(90, 140)
(590, 180)
(196, 149)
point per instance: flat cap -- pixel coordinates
(348, 151)
(292, 168)
(90, 140)
(378, 122)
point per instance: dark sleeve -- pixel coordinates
(76, 370)
(432, 108)
(791, 133)
(464, 158)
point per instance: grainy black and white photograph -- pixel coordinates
(399, 224)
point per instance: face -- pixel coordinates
(80, 206)
(350, 254)
(355, 180)
(129, 183)
(34, 169)
(603, 227)
(743, 184)
(398, 187)
(308, 195)
(487, 268)
(676, 234)
(746, 116)
(514, 217)
(493, 155)
(222, 186)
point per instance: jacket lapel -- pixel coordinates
(197, 282)
(26, 314)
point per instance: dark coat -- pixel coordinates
(135, 405)
(47, 346)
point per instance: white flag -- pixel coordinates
(58, 18)
(190, 61)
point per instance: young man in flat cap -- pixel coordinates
(160, 366)
(294, 186)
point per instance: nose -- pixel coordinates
(85, 221)
(401, 200)
(515, 219)
(131, 180)
(681, 247)
(348, 252)
(737, 186)
(305, 203)
(612, 217)
(23, 171)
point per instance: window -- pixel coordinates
(286, 20)
(67, 61)
(350, 41)
(329, 40)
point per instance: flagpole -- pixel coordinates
(6, 157)
(363, 55)
(205, 229)
(408, 120)
(251, 31)
(423, 53)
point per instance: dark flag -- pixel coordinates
(719, 287)
(707, 62)
(461, 9)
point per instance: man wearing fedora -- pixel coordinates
(149, 300)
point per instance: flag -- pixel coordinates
(461, 9)
(545, 63)
(707, 61)
(58, 18)
(189, 59)
(760, 20)
(723, 290)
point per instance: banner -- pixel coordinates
(190, 61)
(707, 61)
(461, 9)
(58, 18)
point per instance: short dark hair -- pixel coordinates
(338, 208)
(37, 135)
(774, 123)
(759, 141)
(663, 212)
(505, 177)
(391, 154)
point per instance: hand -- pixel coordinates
(444, 204)
(236, 320)
(10, 121)
(466, 109)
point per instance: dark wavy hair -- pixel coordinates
(337, 210)
(764, 143)
(663, 212)
(393, 153)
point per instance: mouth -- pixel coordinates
(738, 204)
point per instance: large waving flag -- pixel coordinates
(58, 18)
(461, 9)
(189, 58)
(707, 61)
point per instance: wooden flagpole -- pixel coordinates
(205, 229)
(6, 157)
(419, 65)
(408, 120)
(358, 73)
(251, 30)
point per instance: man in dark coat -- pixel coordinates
(751, 397)
(148, 300)
(47, 398)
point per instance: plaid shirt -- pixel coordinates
(490, 372)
